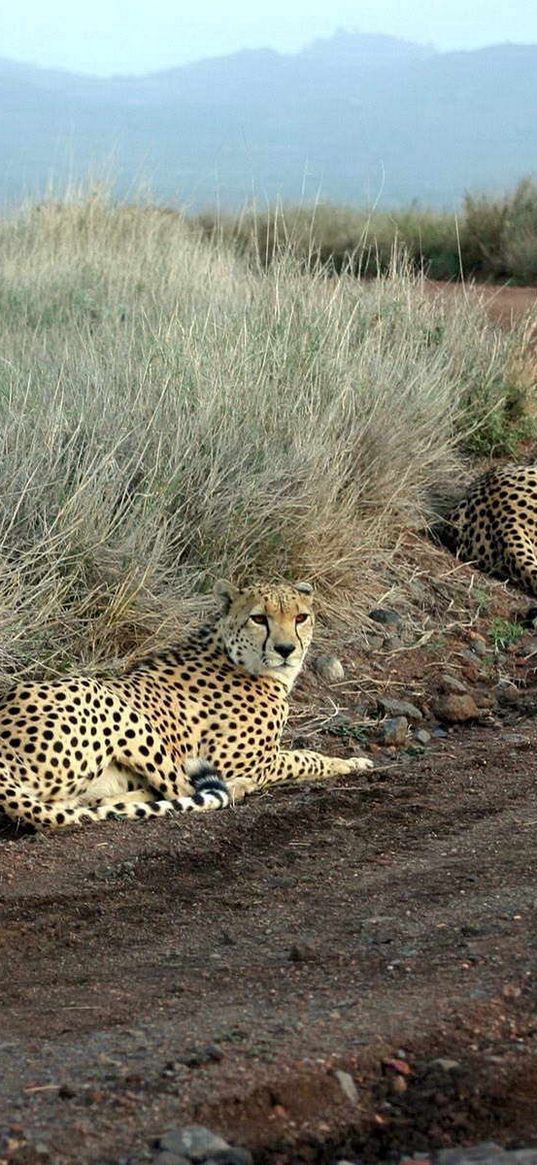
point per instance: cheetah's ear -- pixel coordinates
(305, 588)
(226, 593)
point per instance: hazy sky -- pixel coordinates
(121, 36)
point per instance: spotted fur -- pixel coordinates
(495, 525)
(188, 730)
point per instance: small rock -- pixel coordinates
(400, 708)
(507, 693)
(392, 643)
(485, 701)
(529, 647)
(386, 616)
(445, 1064)
(438, 732)
(66, 1092)
(347, 1085)
(301, 953)
(472, 669)
(452, 684)
(375, 642)
(398, 1085)
(329, 668)
(421, 736)
(194, 1142)
(198, 1057)
(470, 1154)
(456, 709)
(214, 1053)
(231, 1156)
(479, 647)
(194, 1060)
(395, 731)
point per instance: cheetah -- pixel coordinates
(495, 525)
(194, 728)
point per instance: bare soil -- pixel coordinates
(505, 305)
(220, 970)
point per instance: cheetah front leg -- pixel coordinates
(298, 765)
(303, 765)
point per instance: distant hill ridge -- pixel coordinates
(351, 119)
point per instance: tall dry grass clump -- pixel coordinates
(168, 414)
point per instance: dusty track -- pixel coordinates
(505, 305)
(219, 969)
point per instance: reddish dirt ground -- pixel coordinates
(222, 969)
(505, 305)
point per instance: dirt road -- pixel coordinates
(505, 305)
(220, 969)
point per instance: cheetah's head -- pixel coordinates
(267, 628)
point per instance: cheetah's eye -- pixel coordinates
(260, 619)
(302, 617)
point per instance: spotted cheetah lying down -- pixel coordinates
(495, 525)
(191, 729)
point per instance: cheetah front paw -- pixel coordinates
(355, 764)
(239, 788)
(361, 762)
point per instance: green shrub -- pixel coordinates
(483, 236)
(493, 237)
(341, 239)
(520, 243)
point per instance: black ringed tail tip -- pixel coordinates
(204, 777)
(207, 798)
(210, 785)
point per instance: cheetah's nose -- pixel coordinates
(284, 649)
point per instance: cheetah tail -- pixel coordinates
(203, 776)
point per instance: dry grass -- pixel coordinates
(168, 414)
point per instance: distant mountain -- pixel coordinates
(351, 119)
